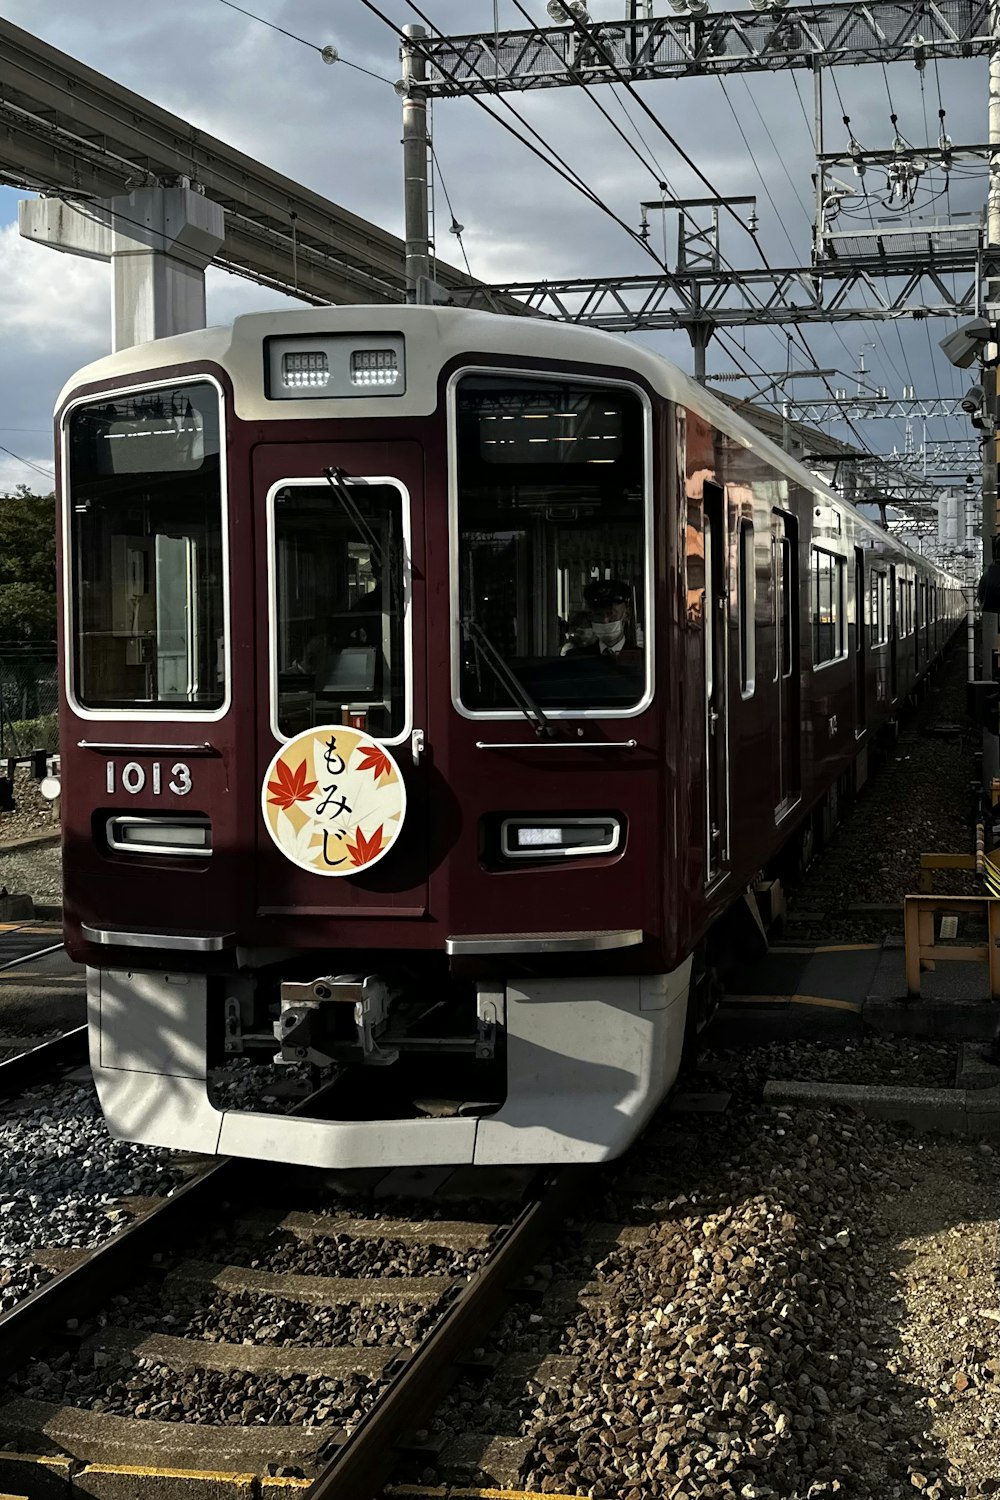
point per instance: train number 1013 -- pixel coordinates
(135, 778)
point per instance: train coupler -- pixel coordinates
(336, 1018)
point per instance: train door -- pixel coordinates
(918, 605)
(785, 563)
(716, 686)
(894, 624)
(860, 644)
(340, 648)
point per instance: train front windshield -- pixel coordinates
(147, 549)
(551, 544)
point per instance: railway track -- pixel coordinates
(27, 1058)
(370, 1354)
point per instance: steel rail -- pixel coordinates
(75, 1292)
(25, 958)
(35, 1065)
(365, 1460)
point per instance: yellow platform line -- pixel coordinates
(848, 948)
(271, 1484)
(820, 1000)
(781, 949)
(824, 1001)
(447, 1492)
(154, 1471)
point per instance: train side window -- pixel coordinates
(827, 606)
(879, 614)
(747, 610)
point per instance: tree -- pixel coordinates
(27, 567)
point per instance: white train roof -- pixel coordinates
(434, 337)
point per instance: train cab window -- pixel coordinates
(827, 606)
(147, 551)
(551, 545)
(338, 562)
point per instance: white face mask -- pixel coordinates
(609, 632)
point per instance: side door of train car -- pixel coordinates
(920, 612)
(716, 685)
(785, 564)
(860, 644)
(340, 647)
(895, 625)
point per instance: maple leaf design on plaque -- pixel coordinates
(291, 786)
(375, 760)
(364, 850)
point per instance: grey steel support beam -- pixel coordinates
(736, 298)
(719, 42)
(869, 408)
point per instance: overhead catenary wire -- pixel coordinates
(574, 178)
(556, 162)
(584, 30)
(582, 186)
(659, 174)
(314, 46)
(457, 229)
(29, 463)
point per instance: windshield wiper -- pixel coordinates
(508, 678)
(336, 478)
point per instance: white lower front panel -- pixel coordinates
(587, 1063)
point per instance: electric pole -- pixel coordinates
(415, 147)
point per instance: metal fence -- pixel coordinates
(29, 699)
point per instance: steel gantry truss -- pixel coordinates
(866, 407)
(718, 42)
(890, 272)
(731, 298)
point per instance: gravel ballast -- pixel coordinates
(62, 1177)
(917, 800)
(788, 1326)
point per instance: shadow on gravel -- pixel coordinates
(751, 1342)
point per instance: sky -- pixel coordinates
(336, 129)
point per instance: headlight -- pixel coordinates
(534, 838)
(151, 835)
(332, 366)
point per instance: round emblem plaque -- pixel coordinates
(333, 800)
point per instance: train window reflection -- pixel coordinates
(145, 502)
(551, 544)
(338, 608)
(827, 606)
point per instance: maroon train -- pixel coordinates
(433, 682)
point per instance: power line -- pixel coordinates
(455, 227)
(563, 169)
(27, 462)
(585, 31)
(328, 54)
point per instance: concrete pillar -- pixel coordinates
(158, 240)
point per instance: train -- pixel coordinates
(436, 688)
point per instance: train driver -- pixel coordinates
(610, 604)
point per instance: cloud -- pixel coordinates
(337, 131)
(51, 300)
